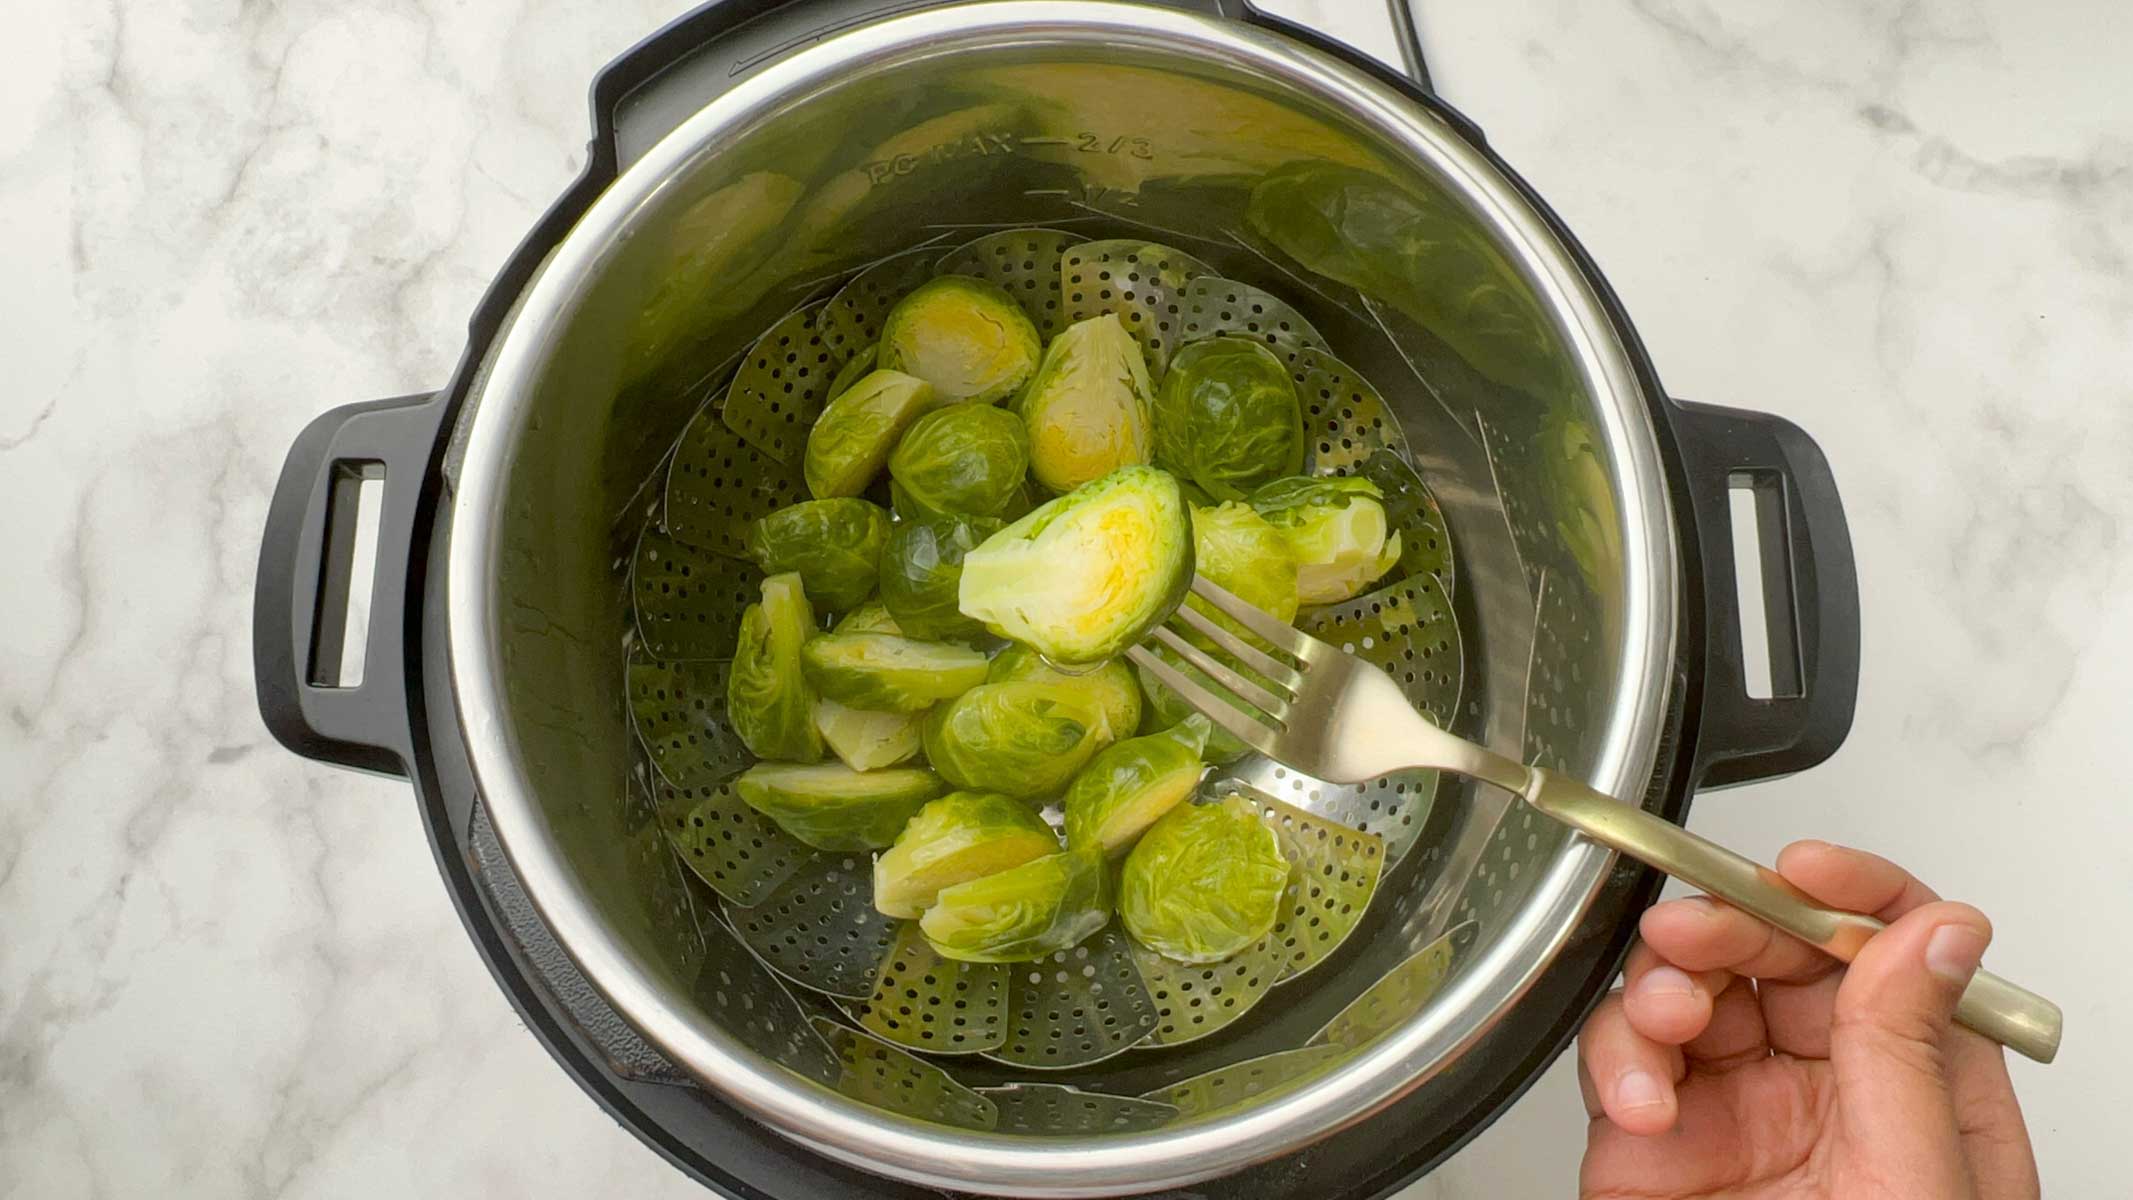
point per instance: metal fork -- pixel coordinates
(1316, 709)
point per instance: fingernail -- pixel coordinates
(1638, 1089)
(1953, 952)
(1671, 982)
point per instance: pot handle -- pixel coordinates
(307, 572)
(1810, 595)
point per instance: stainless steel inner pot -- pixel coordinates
(1493, 353)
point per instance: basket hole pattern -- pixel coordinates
(680, 713)
(820, 928)
(1076, 1007)
(1140, 281)
(749, 1000)
(1059, 1111)
(1425, 539)
(1025, 264)
(923, 1001)
(1394, 807)
(688, 602)
(1518, 487)
(1406, 629)
(719, 485)
(1345, 420)
(1215, 307)
(781, 387)
(730, 846)
(853, 318)
(1194, 1001)
(875, 1073)
(1253, 1079)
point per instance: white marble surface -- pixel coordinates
(227, 973)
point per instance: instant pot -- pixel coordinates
(757, 155)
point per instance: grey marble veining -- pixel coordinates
(227, 973)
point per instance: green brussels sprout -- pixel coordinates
(888, 673)
(1235, 548)
(1204, 882)
(835, 545)
(1088, 574)
(1582, 496)
(901, 502)
(861, 366)
(1227, 417)
(866, 740)
(1024, 913)
(960, 837)
(871, 617)
(768, 698)
(1019, 739)
(1336, 531)
(965, 336)
(969, 459)
(1110, 687)
(1166, 709)
(832, 807)
(1088, 409)
(852, 438)
(1128, 787)
(922, 574)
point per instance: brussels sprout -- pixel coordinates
(768, 698)
(871, 617)
(1023, 913)
(1234, 548)
(922, 574)
(969, 459)
(832, 807)
(888, 673)
(835, 545)
(1109, 687)
(901, 502)
(1335, 529)
(1227, 417)
(1166, 709)
(1582, 497)
(1018, 739)
(853, 436)
(1128, 787)
(965, 336)
(960, 837)
(1088, 574)
(1204, 882)
(1088, 409)
(861, 366)
(866, 740)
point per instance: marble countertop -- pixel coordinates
(226, 972)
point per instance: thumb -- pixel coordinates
(1888, 1043)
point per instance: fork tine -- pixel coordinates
(1253, 658)
(1221, 672)
(1247, 728)
(1282, 637)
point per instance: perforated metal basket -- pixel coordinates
(1089, 157)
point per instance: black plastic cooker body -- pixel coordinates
(401, 720)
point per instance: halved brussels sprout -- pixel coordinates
(768, 698)
(965, 336)
(834, 545)
(1128, 787)
(1234, 548)
(1018, 739)
(887, 673)
(852, 438)
(1109, 687)
(1089, 408)
(969, 459)
(1204, 882)
(1023, 913)
(861, 366)
(1336, 531)
(871, 617)
(1165, 708)
(866, 740)
(960, 837)
(832, 807)
(1227, 417)
(1088, 574)
(922, 574)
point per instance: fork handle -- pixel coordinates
(2013, 1016)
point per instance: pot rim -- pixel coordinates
(933, 1155)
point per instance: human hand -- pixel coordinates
(1737, 1061)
